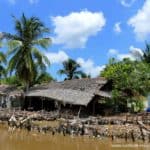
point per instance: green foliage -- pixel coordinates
(146, 55)
(3, 62)
(71, 70)
(26, 60)
(13, 80)
(43, 78)
(131, 80)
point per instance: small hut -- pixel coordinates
(85, 95)
(10, 97)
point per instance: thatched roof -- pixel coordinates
(64, 95)
(10, 90)
(77, 91)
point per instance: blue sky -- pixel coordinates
(89, 31)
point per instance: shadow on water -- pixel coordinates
(22, 140)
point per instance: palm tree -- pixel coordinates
(70, 69)
(26, 59)
(43, 77)
(2, 61)
(146, 54)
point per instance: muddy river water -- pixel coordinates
(22, 140)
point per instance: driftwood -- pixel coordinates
(113, 127)
(140, 123)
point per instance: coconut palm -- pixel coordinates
(2, 62)
(25, 57)
(146, 54)
(2, 68)
(43, 77)
(70, 69)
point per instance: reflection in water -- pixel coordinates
(22, 140)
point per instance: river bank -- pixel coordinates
(127, 127)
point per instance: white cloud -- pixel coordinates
(12, 1)
(89, 67)
(30, 1)
(33, 1)
(141, 22)
(134, 53)
(74, 30)
(112, 52)
(127, 3)
(117, 27)
(122, 56)
(57, 58)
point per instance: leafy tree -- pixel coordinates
(131, 80)
(12, 80)
(26, 58)
(71, 70)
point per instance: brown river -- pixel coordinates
(22, 140)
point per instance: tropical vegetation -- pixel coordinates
(3, 62)
(26, 60)
(25, 65)
(72, 70)
(131, 80)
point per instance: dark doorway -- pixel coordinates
(39, 103)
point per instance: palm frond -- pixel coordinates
(43, 42)
(70, 69)
(46, 60)
(3, 57)
(40, 58)
(61, 72)
(13, 45)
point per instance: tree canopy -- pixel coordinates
(131, 80)
(146, 54)
(72, 70)
(3, 61)
(26, 58)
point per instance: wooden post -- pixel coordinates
(132, 136)
(93, 107)
(29, 103)
(112, 136)
(126, 118)
(126, 136)
(59, 109)
(142, 134)
(79, 111)
(42, 104)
